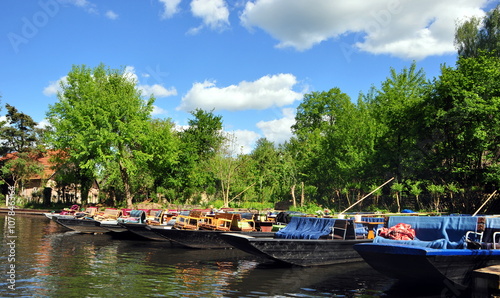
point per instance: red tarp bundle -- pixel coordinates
(401, 231)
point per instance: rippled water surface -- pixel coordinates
(52, 262)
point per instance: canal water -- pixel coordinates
(41, 259)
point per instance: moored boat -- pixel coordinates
(444, 252)
(198, 229)
(138, 227)
(307, 241)
(205, 239)
(81, 225)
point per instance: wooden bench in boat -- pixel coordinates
(190, 221)
(155, 217)
(108, 213)
(220, 222)
(228, 222)
(242, 224)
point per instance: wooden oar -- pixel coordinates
(367, 195)
(475, 213)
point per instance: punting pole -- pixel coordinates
(475, 213)
(367, 195)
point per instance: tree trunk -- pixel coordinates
(126, 185)
(294, 201)
(302, 195)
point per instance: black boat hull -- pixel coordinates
(205, 239)
(439, 267)
(81, 225)
(141, 230)
(299, 252)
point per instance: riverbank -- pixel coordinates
(26, 211)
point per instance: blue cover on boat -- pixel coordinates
(306, 228)
(438, 244)
(430, 228)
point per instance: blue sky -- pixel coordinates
(249, 61)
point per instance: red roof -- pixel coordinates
(43, 158)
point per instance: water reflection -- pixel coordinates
(51, 262)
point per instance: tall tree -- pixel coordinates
(20, 135)
(100, 119)
(395, 107)
(476, 34)
(200, 142)
(334, 140)
(464, 122)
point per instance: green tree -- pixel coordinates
(200, 142)
(475, 34)
(19, 168)
(162, 143)
(395, 106)
(266, 166)
(100, 120)
(464, 123)
(21, 133)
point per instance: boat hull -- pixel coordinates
(113, 226)
(141, 230)
(205, 239)
(81, 225)
(442, 267)
(299, 252)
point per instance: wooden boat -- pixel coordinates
(205, 239)
(139, 228)
(92, 221)
(308, 241)
(442, 253)
(81, 225)
(197, 229)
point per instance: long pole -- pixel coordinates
(475, 213)
(367, 195)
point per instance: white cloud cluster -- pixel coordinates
(111, 15)
(156, 90)
(279, 130)
(170, 7)
(54, 87)
(264, 93)
(214, 13)
(406, 29)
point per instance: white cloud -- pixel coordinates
(263, 93)
(279, 131)
(407, 29)
(111, 15)
(244, 141)
(43, 124)
(156, 90)
(170, 7)
(214, 14)
(84, 4)
(158, 111)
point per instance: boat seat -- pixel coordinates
(108, 213)
(339, 229)
(220, 222)
(495, 239)
(191, 221)
(478, 236)
(243, 222)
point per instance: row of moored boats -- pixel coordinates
(442, 250)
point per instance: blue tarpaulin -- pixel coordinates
(306, 228)
(430, 228)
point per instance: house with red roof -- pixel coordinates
(44, 187)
